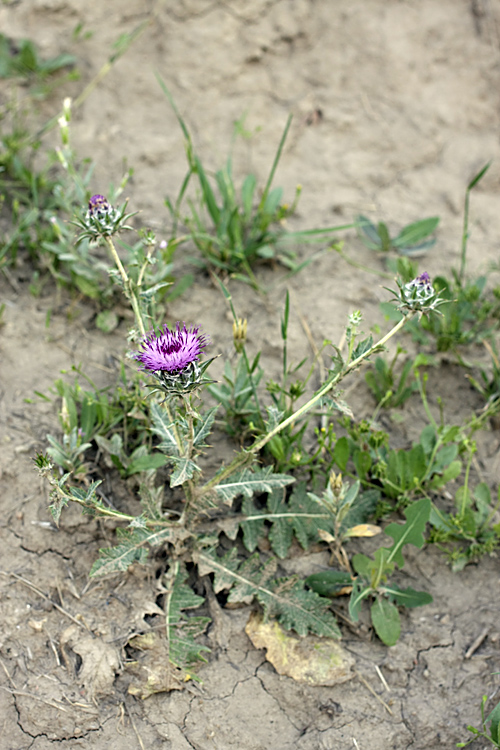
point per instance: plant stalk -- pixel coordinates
(247, 455)
(127, 284)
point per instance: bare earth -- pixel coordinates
(396, 107)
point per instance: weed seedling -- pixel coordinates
(490, 726)
(235, 229)
(412, 240)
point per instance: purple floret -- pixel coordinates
(171, 351)
(98, 204)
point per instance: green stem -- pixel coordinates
(355, 264)
(465, 237)
(109, 513)
(327, 387)
(247, 455)
(127, 285)
(463, 505)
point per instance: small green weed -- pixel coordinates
(491, 732)
(389, 390)
(236, 229)
(20, 60)
(412, 240)
(471, 314)
(373, 576)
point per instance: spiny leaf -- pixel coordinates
(286, 599)
(184, 470)
(300, 515)
(249, 482)
(151, 498)
(165, 430)
(133, 548)
(308, 517)
(253, 526)
(202, 429)
(281, 531)
(181, 631)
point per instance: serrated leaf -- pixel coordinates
(181, 631)
(411, 532)
(165, 430)
(308, 516)
(362, 347)
(286, 599)
(281, 531)
(203, 427)
(133, 547)
(252, 526)
(58, 503)
(248, 482)
(184, 470)
(253, 576)
(151, 499)
(386, 621)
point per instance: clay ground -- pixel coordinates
(396, 106)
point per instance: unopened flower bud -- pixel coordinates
(418, 295)
(336, 483)
(239, 334)
(102, 219)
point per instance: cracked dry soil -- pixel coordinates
(396, 106)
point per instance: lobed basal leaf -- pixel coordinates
(248, 482)
(296, 607)
(133, 547)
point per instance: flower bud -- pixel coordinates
(418, 295)
(239, 334)
(102, 219)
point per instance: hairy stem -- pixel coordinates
(127, 285)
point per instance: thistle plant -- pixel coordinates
(187, 515)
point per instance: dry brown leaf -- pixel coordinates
(313, 660)
(364, 530)
(100, 660)
(153, 671)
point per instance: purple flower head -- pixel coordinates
(171, 351)
(99, 206)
